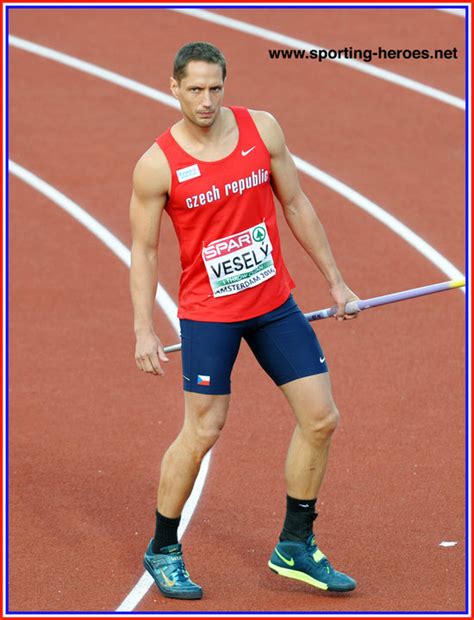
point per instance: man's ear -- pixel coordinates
(174, 87)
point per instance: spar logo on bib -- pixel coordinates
(240, 261)
(259, 233)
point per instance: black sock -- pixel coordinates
(300, 514)
(166, 532)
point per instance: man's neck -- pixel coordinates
(204, 135)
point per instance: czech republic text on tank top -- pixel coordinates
(224, 216)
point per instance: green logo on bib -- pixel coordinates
(259, 233)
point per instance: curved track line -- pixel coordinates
(91, 69)
(96, 228)
(164, 301)
(378, 213)
(276, 37)
(334, 184)
(457, 12)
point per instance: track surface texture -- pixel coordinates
(87, 429)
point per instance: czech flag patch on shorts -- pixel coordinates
(204, 380)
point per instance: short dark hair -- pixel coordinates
(199, 51)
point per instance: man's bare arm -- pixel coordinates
(150, 186)
(299, 213)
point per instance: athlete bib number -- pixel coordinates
(240, 261)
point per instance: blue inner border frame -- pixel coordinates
(318, 613)
(6, 478)
(468, 436)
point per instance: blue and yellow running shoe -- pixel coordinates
(170, 574)
(305, 562)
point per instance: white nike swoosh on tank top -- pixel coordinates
(245, 153)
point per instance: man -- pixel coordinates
(213, 172)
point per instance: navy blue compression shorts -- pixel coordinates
(282, 340)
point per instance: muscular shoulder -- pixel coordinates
(270, 131)
(152, 175)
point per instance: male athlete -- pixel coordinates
(213, 173)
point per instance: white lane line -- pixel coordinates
(389, 220)
(164, 301)
(363, 67)
(448, 543)
(458, 12)
(339, 187)
(96, 228)
(146, 581)
(91, 69)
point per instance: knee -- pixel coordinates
(202, 430)
(321, 424)
(199, 440)
(205, 436)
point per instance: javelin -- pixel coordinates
(364, 304)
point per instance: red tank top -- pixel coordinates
(224, 216)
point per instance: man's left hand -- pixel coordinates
(342, 295)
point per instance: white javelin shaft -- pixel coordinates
(382, 300)
(365, 304)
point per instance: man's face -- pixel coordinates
(200, 92)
